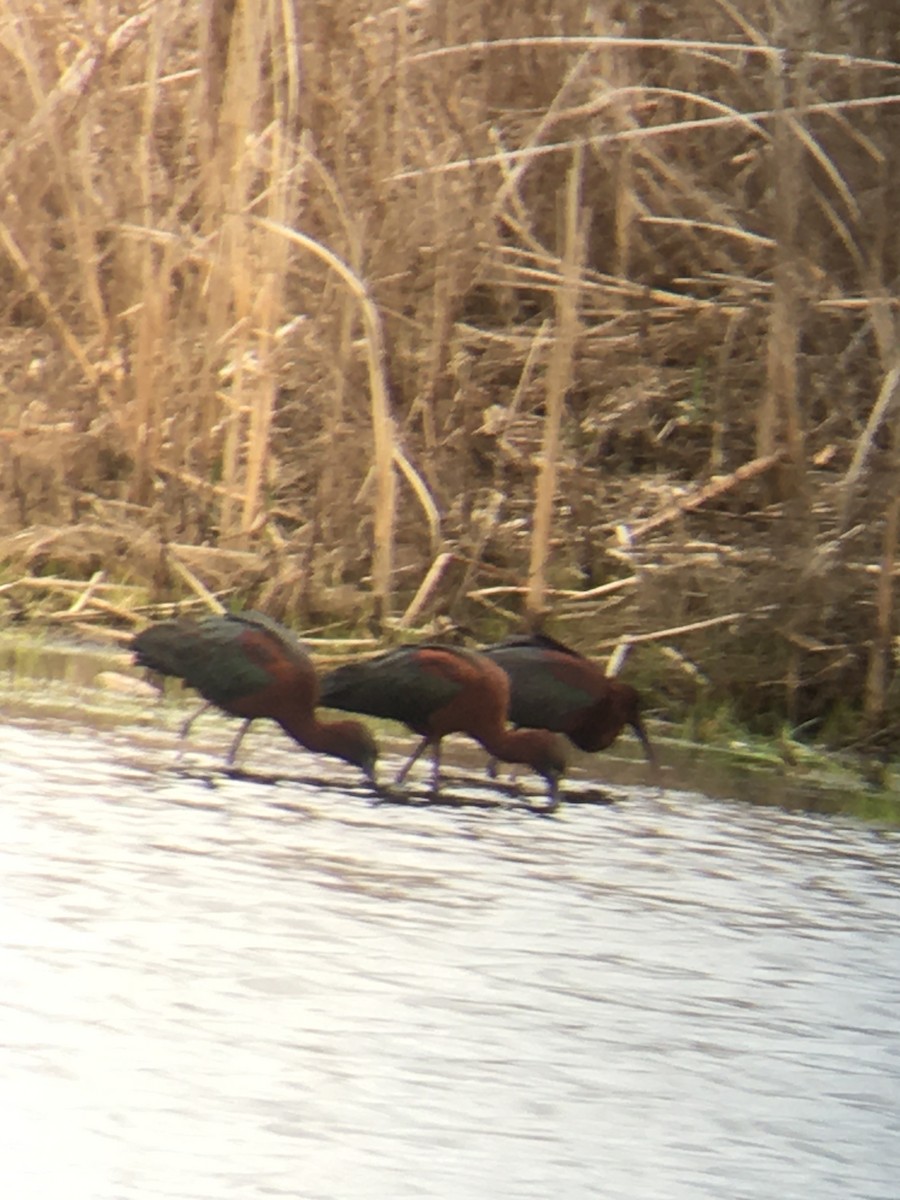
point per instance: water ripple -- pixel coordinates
(219, 987)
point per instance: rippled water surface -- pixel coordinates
(231, 988)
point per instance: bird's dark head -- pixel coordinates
(359, 747)
(626, 704)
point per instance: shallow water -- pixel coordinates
(218, 987)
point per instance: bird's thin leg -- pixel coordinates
(414, 757)
(493, 770)
(233, 749)
(186, 727)
(435, 768)
(552, 796)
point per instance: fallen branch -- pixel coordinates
(196, 585)
(217, 556)
(627, 534)
(52, 583)
(890, 388)
(101, 607)
(659, 634)
(557, 593)
(426, 589)
(87, 593)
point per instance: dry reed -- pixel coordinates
(286, 286)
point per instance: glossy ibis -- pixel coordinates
(250, 666)
(555, 687)
(435, 690)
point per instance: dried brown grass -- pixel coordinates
(282, 281)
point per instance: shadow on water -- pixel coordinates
(260, 983)
(459, 789)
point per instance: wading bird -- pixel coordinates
(435, 690)
(555, 687)
(250, 667)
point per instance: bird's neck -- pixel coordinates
(322, 737)
(531, 747)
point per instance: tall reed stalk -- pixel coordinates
(559, 374)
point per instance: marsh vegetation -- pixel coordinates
(384, 315)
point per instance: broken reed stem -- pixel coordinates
(626, 534)
(616, 660)
(617, 42)
(422, 494)
(557, 593)
(85, 603)
(890, 388)
(419, 489)
(559, 373)
(426, 589)
(80, 601)
(694, 627)
(648, 133)
(101, 606)
(52, 583)
(196, 585)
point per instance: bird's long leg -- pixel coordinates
(435, 768)
(552, 797)
(414, 757)
(233, 749)
(186, 727)
(493, 771)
